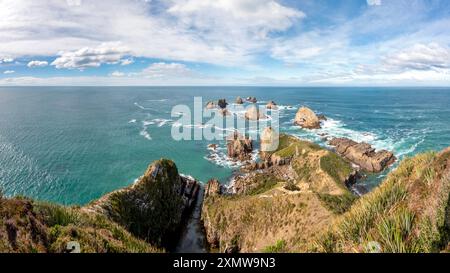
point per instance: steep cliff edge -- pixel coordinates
(281, 207)
(28, 226)
(408, 212)
(155, 206)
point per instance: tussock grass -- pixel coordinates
(397, 214)
(336, 167)
(338, 204)
(279, 247)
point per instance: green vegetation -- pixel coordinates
(407, 213)
(290, 145)
(338, 204)
(27, 226)
(279, 247)
(336, 167)
(265, 183)
(146, 211)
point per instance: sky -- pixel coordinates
(225, 42)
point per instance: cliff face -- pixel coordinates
(408, 212)
(154, 207)
(133, 219)
(27, 226)
(281, 207)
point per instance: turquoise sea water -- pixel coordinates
(73, 144)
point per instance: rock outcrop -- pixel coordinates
(239, 147)
(222, 103)
(272, 105)
(210, 105)
(239, 100)
(306, 118)
(252, 99)
(363, 154)
(155, 206)
(262, 211)
(213, 146)
(213, 188)
(253, 113)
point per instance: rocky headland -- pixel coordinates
(363, 154)
(296, 197)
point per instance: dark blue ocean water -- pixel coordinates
(73, 144)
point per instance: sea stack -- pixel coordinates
(211, 105)
(239, 147)
(253, 113)
(306, 118)
(272, 105)
(252, 99)
(222, 103)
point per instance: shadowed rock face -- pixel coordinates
(222, 103)
(239, 147)
(363, 154)
(306, 118)
(155, 206)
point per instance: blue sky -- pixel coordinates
(225, 42)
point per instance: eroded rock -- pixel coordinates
(271, 105)
(363, 154)
(213, 188)
(252, 99)
(306, 118)
(239, 147)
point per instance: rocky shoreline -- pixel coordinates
(287, 201)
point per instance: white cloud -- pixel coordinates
(256, 16)
(9, 72)
(420, 57)
(168, 71)
(126, 62)
(106, 53)
(227, 32)
(37, 64)
(374, 2)
(117, 74)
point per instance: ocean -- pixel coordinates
(71, 145)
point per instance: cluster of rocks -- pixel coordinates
(239, 147)
(252, 99)
(363, 154)
(221, 105)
